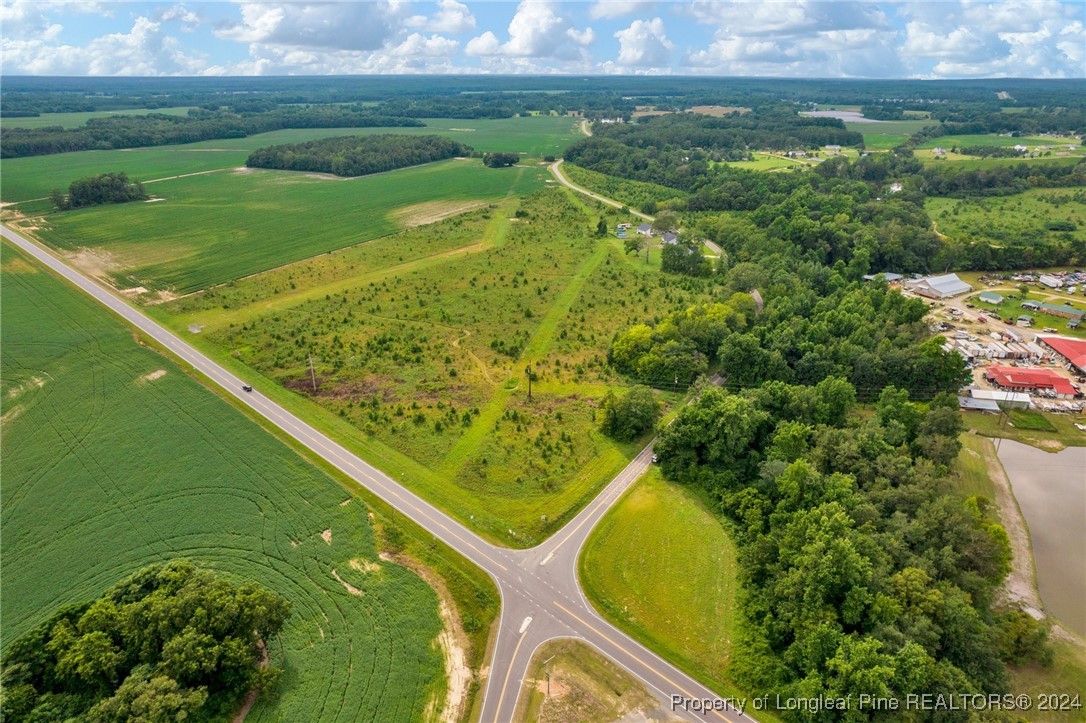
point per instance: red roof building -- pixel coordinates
(1020, 379)
(1073, 350)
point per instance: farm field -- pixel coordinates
(36, 176)
(419, 357)
(75, 120)
(216, 227)
(1005, 219)
(993, 139)
(884, 135)
(145, 465)
(662, 566)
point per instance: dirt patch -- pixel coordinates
(346, 585)
(327, 536)
(11, 414)
(463, 130)
(154, 199)
(345, 502)
(420, 214)
(34, 382)
(366, 567)
(156, 374)
(250, 697)
(195, 328)
(452, 639)
(96, 263)
(1019, 589)
(719, 111)
(133, 292)
(16, 265)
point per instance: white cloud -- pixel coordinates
(144, 50)
(537, 30)
(1035, 38)
(189, 19)
(609, 9)
(339, 26)
(644, 44)
(451, 17)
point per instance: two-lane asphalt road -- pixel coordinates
(541, 596)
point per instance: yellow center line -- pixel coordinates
(508, 672)
(678, 687)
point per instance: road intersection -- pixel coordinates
(541, 595)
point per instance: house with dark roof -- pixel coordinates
(645, 229)
(669, 239)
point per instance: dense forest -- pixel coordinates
(172, 642)
(861, 571)
(357, 155)
(200, 125)
(97, 190)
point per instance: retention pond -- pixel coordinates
(1051, 492)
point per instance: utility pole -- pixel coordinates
(312, 373)
(528, 371)
(547, 665)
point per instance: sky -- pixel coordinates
(779, 38)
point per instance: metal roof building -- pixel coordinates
(940, 287)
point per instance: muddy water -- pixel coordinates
(1051, 491)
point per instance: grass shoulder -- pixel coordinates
(662, 566)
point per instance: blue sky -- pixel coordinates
(782, 38)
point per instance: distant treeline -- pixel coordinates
(357, 155)
(97, 190)
(71, 94)
(157, 129)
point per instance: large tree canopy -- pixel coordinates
(172, 642)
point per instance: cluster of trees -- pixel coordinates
(500, 160)
(157, 129)
(672, 353)
(990, 151)
(952, 180)
(630, 415)
(98, 190)
(357, 155)
(172, 642)
(862, 572)
(814, 325)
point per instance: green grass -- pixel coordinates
(1012, 309)
(1012, 219)
(214, 228)
(1066, 675)
(75, 120)
(992, 139)
(766, 162)
(107, 470)
(1034, 421)
(35, 177)
(1064, 434)
(420, 341)
(662, 566)
(583, 686)
(970, 469)
(885, 135)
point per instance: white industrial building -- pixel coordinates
(939, 287)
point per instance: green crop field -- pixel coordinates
(661, 566)
(420, 340)
(1018, 218)
(884, 135)
(75, 120)
(212, 228)
(993, 139)
(36, 176)
(114, 458)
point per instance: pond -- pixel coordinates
(1051, 492)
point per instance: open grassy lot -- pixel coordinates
(662, 566)
(216, 227)
(1012, 309)
(420, 341)
(579, 684)
(884, 135)
(1017, 218)
(994, 139)
(114, 458)
(35, 177)
(1065, 434)
(75, 120)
